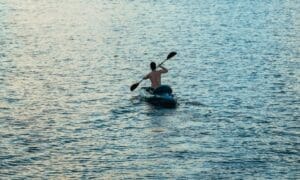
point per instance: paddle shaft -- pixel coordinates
(162, 62)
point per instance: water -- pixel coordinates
(66, 110)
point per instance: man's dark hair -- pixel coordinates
(153, 66)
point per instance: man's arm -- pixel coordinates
(163, 69)
(146, 77)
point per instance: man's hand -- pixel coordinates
(164, 70)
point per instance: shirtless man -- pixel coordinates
(155, 75)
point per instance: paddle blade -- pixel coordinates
(134, 86)
(171, 54)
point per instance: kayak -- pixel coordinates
(161, 96)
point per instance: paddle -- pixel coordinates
(134, 86)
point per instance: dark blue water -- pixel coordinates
(66, 111)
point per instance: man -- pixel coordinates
(155, 75)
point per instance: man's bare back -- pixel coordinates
(155, 75)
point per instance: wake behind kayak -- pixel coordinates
(161, 96)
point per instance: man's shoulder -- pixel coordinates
(162, 71)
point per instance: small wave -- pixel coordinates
(195, 103)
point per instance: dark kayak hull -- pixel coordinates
(161, 97)
(167, 102)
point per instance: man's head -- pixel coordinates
(152, 66)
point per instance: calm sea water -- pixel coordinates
(66, 110)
